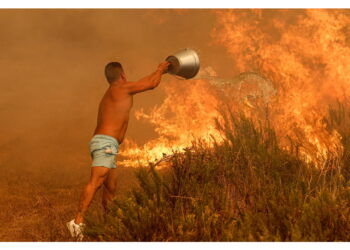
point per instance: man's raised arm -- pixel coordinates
(148, 82)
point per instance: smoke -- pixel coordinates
(296, 62)
(52, 70)
(306, 56)
(52, 75)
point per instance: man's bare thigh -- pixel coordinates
(99, 174)
(111, 180)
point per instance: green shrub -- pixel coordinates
(244, 189)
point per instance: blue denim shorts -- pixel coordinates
(103, 151)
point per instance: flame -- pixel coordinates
(300, 60)
(187, 112)
(307, 59)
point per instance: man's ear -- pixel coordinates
(123, 76)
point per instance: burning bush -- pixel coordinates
(246, 188)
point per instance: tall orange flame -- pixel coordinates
(187, 112)
(308, 61)
(301, 61)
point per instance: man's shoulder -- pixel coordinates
(120, 88)
(121, 85)
(124, 86)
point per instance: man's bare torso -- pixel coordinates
(113, 113)
(114, 109)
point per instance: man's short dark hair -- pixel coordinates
(113, 71)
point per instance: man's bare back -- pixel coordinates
(113, 113)
(115, 106)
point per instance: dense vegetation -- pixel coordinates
(245, 189)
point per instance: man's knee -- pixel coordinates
(111, 188)
(98, 176)
(97, 182)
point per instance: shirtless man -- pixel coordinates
(112, 122)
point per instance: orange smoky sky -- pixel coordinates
(52, 63)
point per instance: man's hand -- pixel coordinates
(147, 82)
(163, 67)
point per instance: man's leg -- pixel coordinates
(98, 176)
(109, 188)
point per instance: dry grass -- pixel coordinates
(246, 189)
(35, 206)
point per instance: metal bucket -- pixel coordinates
(184, 63)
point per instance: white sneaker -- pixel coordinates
(76, 230)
